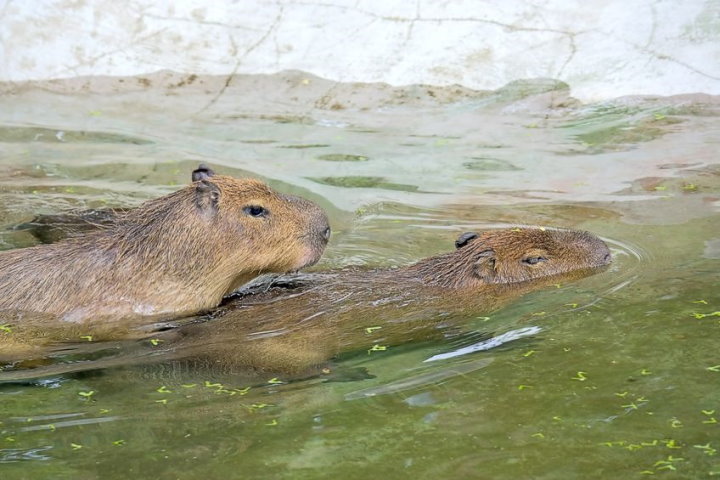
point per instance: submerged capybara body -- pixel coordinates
(178, 254)
(330, 313)
(294, 324)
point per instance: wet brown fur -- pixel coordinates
(178, 254)
(293, 331)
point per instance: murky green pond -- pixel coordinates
(619, 378)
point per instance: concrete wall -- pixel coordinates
(602, 48)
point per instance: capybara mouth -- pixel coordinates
(311, 257)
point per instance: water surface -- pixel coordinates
(617, 378)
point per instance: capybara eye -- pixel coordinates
(255, 211)
(534, 260)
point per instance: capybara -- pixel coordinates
(51, 228)
(295, 324)
(178, 254)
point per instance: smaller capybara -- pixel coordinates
(294, 331)
(178, 254)
(296, 323)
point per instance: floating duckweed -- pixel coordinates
(118, 443)
(377, 348)
(89, 338)
(163, 389)
(645, 371)
(571, 305)
(528, 353)
(484, 319)
(76, 446)
(631, 406)
(581, 376)
(272, 423)
(523, 387)
(275, 381)
(189, 385)
(162, 401)
(707, 449)
(675, 423)
(715, 368)
(538, 314)
(704, 302)
(87, 394)
(5, 328)
(621, 394)
(670, 443)
(209, 384)
(538, 435)
(155, 341)
(103, 411)
(369, 330)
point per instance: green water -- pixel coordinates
(622, 380)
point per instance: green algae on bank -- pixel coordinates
(364, 182)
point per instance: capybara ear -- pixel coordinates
(484, 267)
(464, 238)
(207, 195)
(202, 172)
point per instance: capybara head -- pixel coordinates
(239, 228)
(514, 255)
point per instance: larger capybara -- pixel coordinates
(178, 254)
(295, 324)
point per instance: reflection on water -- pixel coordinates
(620, 377)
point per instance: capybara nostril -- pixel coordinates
(326, 234)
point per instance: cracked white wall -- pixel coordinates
(603, 49)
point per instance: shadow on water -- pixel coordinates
(617, 371)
